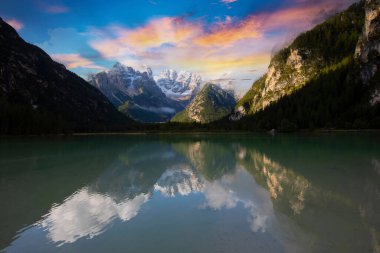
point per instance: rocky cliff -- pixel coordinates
(327, 77)
(368, 48)
(310, 54)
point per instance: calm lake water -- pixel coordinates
(191, 193)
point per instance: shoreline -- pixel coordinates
(211, 132)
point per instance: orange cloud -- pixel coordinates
(15, 24)
(296, 18)
(159, 31)
(214, 65)
(154, 34)
(74, 61)
(225, 46)
(226, 34)
(111, 48)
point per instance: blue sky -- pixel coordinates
(226, 40)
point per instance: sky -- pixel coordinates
(226, 41)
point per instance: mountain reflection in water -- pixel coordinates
(282, 194)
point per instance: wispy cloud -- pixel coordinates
(228, 33)
(56, 9)
(75, 61)
(16, 24)
(228, 1)
(155, 33)
(175, 40)
(52, 8)
(229, 45)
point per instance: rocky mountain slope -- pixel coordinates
(38, 95)
(367, 51)
(181, 86)
(326, 78)
(210, 104)
(135, 93)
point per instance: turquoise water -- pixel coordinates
(191, 193)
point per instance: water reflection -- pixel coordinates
(286, 203)
(122, 189)
(280, 181)
(87, 214)
(181, 180)
(240, 188)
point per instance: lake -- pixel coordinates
(191, 193)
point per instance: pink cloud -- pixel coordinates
(74, 61)
(228, 1)
(15, 24)
(228, 33)
(155, 33)
(297, 18)
(227, 45)
(56, 9)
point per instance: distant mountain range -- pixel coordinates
(141, 97)
(135, 93)
(327, 77)
(39, 95)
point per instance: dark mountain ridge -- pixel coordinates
(39, 95)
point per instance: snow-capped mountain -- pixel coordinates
(181, 86)
(180, 180)
(121, 83)
(135, 93)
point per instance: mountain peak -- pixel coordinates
(180, 86)
(211, 86)
(210, 104)
(118, 65)
(148, 70)
(120, 69)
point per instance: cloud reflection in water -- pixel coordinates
(88, 214)
(117, 195)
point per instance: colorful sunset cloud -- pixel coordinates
(209, 37)
(73, 61)
(15, 24)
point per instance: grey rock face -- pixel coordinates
(122, 83)
(135, 93)
(368, 48)
(278, 81)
